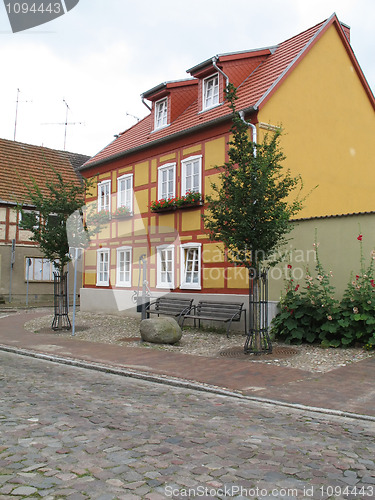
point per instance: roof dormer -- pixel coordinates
(169, 100)
(214, 74)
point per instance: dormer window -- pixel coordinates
(211, 91)
(161, 113)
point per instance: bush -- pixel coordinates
(312, 314)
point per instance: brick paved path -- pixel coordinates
(72, 433)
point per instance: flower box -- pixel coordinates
(122, 216)
(122, 213)
(191, 205)
(190, 200)
(161, 210)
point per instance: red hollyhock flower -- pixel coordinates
(296, 288)
(289, 266)
(359, 238)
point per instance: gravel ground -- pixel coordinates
(124, 331)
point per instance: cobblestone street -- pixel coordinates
(72, 433)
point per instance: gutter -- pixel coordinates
(176, 135)
(15, 204)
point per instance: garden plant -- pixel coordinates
(310, 312)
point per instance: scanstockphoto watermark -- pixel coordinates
(259, 492)
(30, 13)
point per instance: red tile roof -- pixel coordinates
(271, 69)
(19, 163)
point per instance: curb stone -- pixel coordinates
(176, 382)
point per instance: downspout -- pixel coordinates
(214, 61)
(253, 128)
(145, 103)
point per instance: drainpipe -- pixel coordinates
(214, 61)
(145, 103)
(253, 128)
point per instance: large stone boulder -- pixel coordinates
(163, 330)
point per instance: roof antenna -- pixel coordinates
(136, 117)
(66, 123)
(15, 121)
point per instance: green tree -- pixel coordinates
(250, 209)
(53, 205)
(56, 222)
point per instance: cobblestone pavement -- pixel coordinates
(72, 433)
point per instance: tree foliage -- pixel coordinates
(53, 206)
(250, 210)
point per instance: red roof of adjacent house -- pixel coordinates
(20, 163)
(267, 70)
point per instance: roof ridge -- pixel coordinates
(11, 141)
(323, 25)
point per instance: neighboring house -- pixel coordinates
(312, 86)
(19, 163)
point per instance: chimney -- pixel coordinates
(346, 30)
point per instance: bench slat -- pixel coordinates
(169, 306)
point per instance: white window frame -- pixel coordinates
(29, 211)
(119, 281)
(160, 281)
(214, 100)
(103, 282)
(161, 169)
(184, 166)
(183, 269)
(47, 268)
(107, 201)
(128, 192)
(161, 113)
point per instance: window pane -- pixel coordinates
(167, 180)
(38, 269)
(191, 266)
(192, 176)
(165, 262)
(211, 91)
(161, 115)
(46, 270)
(123, 267)
(103, 196)
(125, 192)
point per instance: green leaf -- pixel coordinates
(291, 323)
(310, 337)
(330, 326)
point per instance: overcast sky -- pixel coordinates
(103, 54)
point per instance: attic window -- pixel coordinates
(161, 113)
(211, 92)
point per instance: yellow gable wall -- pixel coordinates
(329, 126)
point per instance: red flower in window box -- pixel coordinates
(190, 199)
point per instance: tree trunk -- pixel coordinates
(258, 340)
(61, 319)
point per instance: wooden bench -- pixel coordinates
(170, 306)
(226, 312)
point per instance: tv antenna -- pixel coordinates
(66, 123)
(136, 117)
(16, 118)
